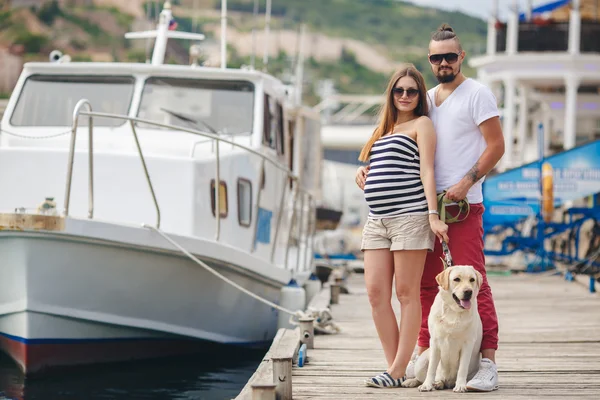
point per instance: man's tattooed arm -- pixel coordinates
(473, 173)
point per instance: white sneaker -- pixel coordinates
(486, 379)
(410, 368)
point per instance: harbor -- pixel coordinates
(181, 217)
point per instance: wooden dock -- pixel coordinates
(549, 345)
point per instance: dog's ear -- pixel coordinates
(479, 279)
(444, 263)
(443, 279)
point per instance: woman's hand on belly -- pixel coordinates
(361, 176)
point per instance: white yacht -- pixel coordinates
(109, 170)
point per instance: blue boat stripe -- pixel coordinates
(131, 339)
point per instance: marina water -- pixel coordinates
(216, 376)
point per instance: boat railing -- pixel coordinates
(306, 224)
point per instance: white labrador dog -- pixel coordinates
(455, 330)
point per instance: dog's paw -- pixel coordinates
(411, 383)
(460, 388)
(426, 387)
(439, 385)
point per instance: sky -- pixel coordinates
(477, 8)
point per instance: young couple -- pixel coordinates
(447, 138)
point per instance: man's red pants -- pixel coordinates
(466, 246)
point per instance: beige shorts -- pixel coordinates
(404, 232)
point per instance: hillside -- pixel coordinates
(397, 25)
(355, 43)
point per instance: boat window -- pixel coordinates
(244, 188)
(273, 124)
(222, 198)
(213, 106)
(49, 100)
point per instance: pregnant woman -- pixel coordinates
(403, 220)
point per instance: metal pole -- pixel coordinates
(255, 15)
(260, 188)
(541, 222)
(80, 103)
(91, 168)
(310, 228)
(148, 19)
(223, 33)
(280, 214)
(137, 143)
(300, 226)
(195, 17)
(217, 193)
(287, 245)
(212, 136)
(300, 66)
(267, 30)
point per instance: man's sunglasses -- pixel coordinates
(410, 93)
(436, 59)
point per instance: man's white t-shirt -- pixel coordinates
(459, 140)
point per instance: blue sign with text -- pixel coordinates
(515, 194)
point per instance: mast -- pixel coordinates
(267, 30)
(162, 34)
(223, 33)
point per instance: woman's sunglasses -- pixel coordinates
(436, 59)
(410, 93)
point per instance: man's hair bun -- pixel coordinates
(445, 27)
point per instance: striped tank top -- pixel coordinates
(393, 186)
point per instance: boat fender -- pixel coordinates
(293, 298)
(312, 287)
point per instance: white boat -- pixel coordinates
(99, 280)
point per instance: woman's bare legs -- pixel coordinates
(408, 266)
(379, 274)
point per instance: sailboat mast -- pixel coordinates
(160, 45)
(267, 30)
(255, 25)
(223, 33)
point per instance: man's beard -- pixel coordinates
(447, 78)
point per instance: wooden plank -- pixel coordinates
(264, 372)
(263, 375)
(285, 344)
(20, 222)
(274, 343)
(288, 345)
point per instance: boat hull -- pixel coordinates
(69, 300)
(100, 344)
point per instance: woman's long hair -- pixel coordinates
(388, 114)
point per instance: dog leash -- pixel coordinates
(447, 256)
(463, 209)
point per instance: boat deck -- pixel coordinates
(549, 345)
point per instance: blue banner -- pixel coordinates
(515, 194)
